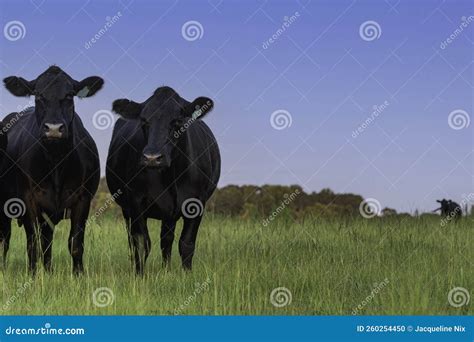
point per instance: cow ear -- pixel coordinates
(18, 86)
(199, 107)
(88, 86)
(127, 109)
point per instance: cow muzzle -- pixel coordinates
(54, 131)
(157, 161)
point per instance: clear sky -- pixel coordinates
(321, 71)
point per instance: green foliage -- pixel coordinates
(250, 201)
(330, 267)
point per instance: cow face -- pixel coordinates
(54, 92)
(164, 118)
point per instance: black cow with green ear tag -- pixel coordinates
(165, 162)
(55, 167)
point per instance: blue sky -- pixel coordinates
(319, 71)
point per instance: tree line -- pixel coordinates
(267, 201)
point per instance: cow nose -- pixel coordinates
(152, 159)
(53, 130)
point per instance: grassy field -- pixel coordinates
(376, 266)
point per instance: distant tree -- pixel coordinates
(388, 212)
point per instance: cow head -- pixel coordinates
(164, 118)
(54, 93)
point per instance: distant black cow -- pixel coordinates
(449, 209)
(167, 163)
(56, 164)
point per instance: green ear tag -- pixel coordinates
(196, 114)
(83, 92)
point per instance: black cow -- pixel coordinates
(449, 209)
(167, 163)
(4, 235)
(56, 164)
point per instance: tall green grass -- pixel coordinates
(329, 267)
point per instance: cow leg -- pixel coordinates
(46, 242)
(79, 214)
(167, 238)
(187, 241)
(5, 234)
(141, 243)
(126, 218)
(32, 246)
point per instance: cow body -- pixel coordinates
(450, 210)
(5, 226)
(55, 168)
(191, 176)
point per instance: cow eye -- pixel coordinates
(178, 122)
